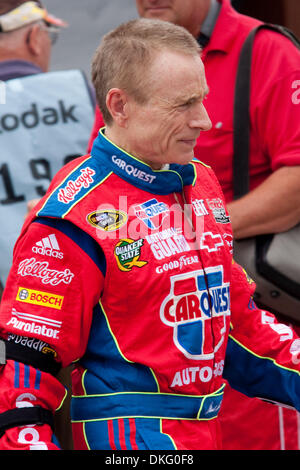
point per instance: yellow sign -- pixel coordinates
(36, 297)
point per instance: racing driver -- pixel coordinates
(125, 269)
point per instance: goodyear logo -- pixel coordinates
(35, 297)
(107, 220)
(127, 253)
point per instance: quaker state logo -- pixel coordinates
(127, 253)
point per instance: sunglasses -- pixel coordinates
(53, 32)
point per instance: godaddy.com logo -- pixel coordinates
(2, 92)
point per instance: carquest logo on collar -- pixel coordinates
(132, 170)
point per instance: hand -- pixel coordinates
(31, 204)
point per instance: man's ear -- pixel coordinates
(117, 105)
(34, 42)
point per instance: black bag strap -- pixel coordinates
(241, 120)
(25, 416)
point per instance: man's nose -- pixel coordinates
(200, 119)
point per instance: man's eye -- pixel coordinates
(186, 104)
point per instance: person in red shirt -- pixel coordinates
(273, 203)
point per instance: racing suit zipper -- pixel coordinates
(187, 211)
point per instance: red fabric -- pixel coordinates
(145, 333)
(20, 387)
(275, 132)
(256, 425)
(274, 142)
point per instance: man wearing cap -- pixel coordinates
(37, 106)
(26, 34)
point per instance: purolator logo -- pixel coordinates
(194, 300)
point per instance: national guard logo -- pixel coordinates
(198, 301)
(127, 253)
(107, 220)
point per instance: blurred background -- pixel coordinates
(89, 20)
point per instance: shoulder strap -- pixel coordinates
(241, 120)
(24, 417)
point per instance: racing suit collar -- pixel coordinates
(138, 173)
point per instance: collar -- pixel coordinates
(225, 30)
(171, 179)
(209, 23)
(10, 69)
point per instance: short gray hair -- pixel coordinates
(125, 55)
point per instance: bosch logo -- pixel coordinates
(23, 294)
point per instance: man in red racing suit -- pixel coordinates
(127, 271)
(147, 314)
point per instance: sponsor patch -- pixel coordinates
(35, 324)
(167, 243)
(152, 213)
(73, 187)
(35, 297)
(40, 269)
(218, 210)
(132, 170)
(48, 246)
(107, 219)
(194, 299)
(177, 263)
(229, 241)
(211, 242)
(127, 253)
(199, 207)
(32, 343)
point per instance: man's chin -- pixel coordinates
(184, 158)
(163, 14)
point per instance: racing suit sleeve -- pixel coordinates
(45, 317)
(263, 355)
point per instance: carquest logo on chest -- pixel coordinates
(194, 299)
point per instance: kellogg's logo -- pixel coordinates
(194, 299)
(73, 187)
(31, 267)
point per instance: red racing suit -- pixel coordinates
(128, 273)
(274, 143)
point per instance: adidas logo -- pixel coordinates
(48, 246)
